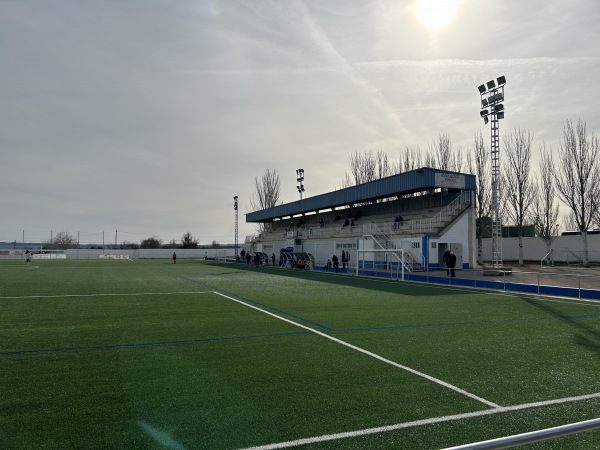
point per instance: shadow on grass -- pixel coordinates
(344, 279)
(584, 335)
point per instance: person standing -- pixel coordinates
(451, 263)
(273, 259)
(343, 259)
(336, 264)
(27, 256)
(174, 258)
(445, 260)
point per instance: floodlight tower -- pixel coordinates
(235, 208)
(492, 110)
(300, 179)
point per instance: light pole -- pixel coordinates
(492, 110)
(235, 208)
(300, 180)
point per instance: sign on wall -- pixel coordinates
(449, 180)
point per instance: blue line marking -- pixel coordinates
(292, 333)
(148, 344)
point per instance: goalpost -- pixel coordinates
(392, 261)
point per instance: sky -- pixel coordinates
(130, 119)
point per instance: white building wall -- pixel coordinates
(565, 248)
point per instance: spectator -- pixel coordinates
(343, 259)
(328, 265)
(445, 260)
(273, 259)
(174, 258)
(451, 263)
(336, 264)
(346, 223)
(248, 258)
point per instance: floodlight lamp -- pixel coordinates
(484, 102)
(501, 80)
(484, 112)
(486, 120)
(499, 107)
(500, 115)
(491, 84)
(482, 89)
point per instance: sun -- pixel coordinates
(436, 13)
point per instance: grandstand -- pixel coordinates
(407, 219)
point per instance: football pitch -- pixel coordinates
(203, 355)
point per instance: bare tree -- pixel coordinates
(442, 156)
(518, 187)
(577, 177)
(189, 241)
(130, 245)
(151, 242)
(61, 241)
(482, 194)
(545, 210)
(410, 159)
(569, 222)
(367, 166)
(266, 194)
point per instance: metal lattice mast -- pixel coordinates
(235, 207)
(496, 221)
(492, 96)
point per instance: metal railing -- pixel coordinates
(533, 436)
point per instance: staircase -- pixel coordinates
(386, 242)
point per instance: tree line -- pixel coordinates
(527, 197)
(64, 240)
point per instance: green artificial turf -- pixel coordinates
(148, 354)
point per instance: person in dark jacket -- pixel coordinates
(445, 260)
(336, 264)
(451, 263)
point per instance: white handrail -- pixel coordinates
(533, 436)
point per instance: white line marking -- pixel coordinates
(418, 423)
(371, 354)
(108, 295)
